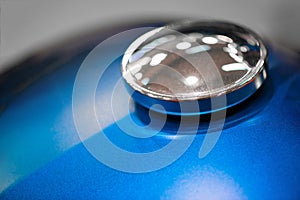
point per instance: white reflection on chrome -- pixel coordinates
(183, 45)
(244, 49)
(230, 50)
(207, 183)
(195, 35)
(150, 47)
(191, 80)
(163, 40)
(235, 67)
(135, 68)
(197, 49)
(138, 76)
(251, 40)
(210, 40)
(145, 81)
(158, 58)
(237, 58)
(224, 38)
(144, 61)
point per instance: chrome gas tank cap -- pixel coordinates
(194, 67)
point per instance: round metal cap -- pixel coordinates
(199, 66)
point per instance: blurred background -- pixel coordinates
(29, 25)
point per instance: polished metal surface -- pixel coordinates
(195, 62)
(42, 157)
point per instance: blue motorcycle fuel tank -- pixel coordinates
(99, 117)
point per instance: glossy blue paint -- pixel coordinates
(256, 157)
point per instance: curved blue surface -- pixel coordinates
(256, 157)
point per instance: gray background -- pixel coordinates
(28, 25)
